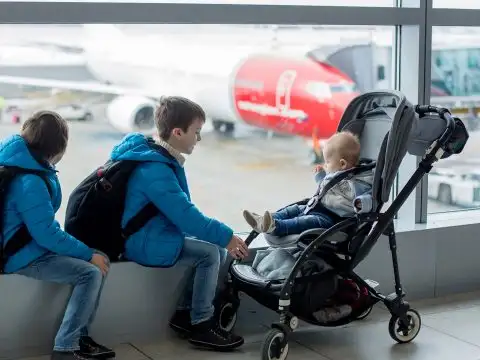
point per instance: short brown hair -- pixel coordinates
(46, 133)
(176, 112)
(347, 145)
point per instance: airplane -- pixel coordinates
(295, 92)
(275, 91)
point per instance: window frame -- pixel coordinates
(414, 21)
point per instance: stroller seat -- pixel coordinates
(292, 247)
(282, 241)
(250, 275)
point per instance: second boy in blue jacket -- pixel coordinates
(167, 238)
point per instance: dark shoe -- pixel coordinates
(208, 335)
(181, 323)
(68, 355)
(92, 350)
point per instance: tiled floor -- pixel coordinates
(450, 330)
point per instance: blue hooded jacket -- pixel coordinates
(162, 181)
(29, 202)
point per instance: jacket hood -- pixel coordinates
(138, 147)
(14, 152)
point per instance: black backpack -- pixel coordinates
(22, 237)
(95, 208)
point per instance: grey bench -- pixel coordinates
(138, 301)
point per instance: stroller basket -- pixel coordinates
(322, 278)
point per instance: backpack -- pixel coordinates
(95, 208)
(22, 237)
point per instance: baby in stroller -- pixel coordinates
(332, 201)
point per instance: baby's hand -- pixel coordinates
(318, 168)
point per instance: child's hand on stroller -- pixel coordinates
(318, 168)
(237, 248)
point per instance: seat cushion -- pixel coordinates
(281, 241)
(247, 273)
(289, 240)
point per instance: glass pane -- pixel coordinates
(455, 182)
(460, 4)
(266, 90)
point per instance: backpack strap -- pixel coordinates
(149, 210)
(140, 220)
(22, 237)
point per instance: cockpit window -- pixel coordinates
(343, 88)
(322, 90)
(319, 89)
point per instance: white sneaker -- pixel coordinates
(259, 223)
(268, 223)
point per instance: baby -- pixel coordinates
(349, 196)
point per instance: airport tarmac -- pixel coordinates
(225, 175)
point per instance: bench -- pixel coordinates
(138, 301)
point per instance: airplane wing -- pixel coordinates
(88, 86)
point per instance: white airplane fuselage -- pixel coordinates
(202, 73)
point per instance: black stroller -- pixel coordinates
(323, 275)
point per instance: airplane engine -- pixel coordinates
(132, 114)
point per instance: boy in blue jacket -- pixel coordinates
(52, 255)
(173, 235)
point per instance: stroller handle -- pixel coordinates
(253, 234)
(444, 114)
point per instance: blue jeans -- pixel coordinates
(87, 281)
(291, 220)
(200, 290)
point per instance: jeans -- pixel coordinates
(87, 281)
(200, 290)
(291, 220)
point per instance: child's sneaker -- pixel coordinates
(93, 350)
(261, 224)
(180, 322)
(209, 335)
(68, 355)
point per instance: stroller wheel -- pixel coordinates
(227, 317)
(275, 346)
(365, 313)
(404, 333)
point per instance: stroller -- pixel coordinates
(323, 274)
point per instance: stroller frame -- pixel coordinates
(405, 322)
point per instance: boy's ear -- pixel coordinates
(343, 163)
(177, 132)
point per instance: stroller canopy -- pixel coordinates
(388, 127)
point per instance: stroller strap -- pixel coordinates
(344, 175)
